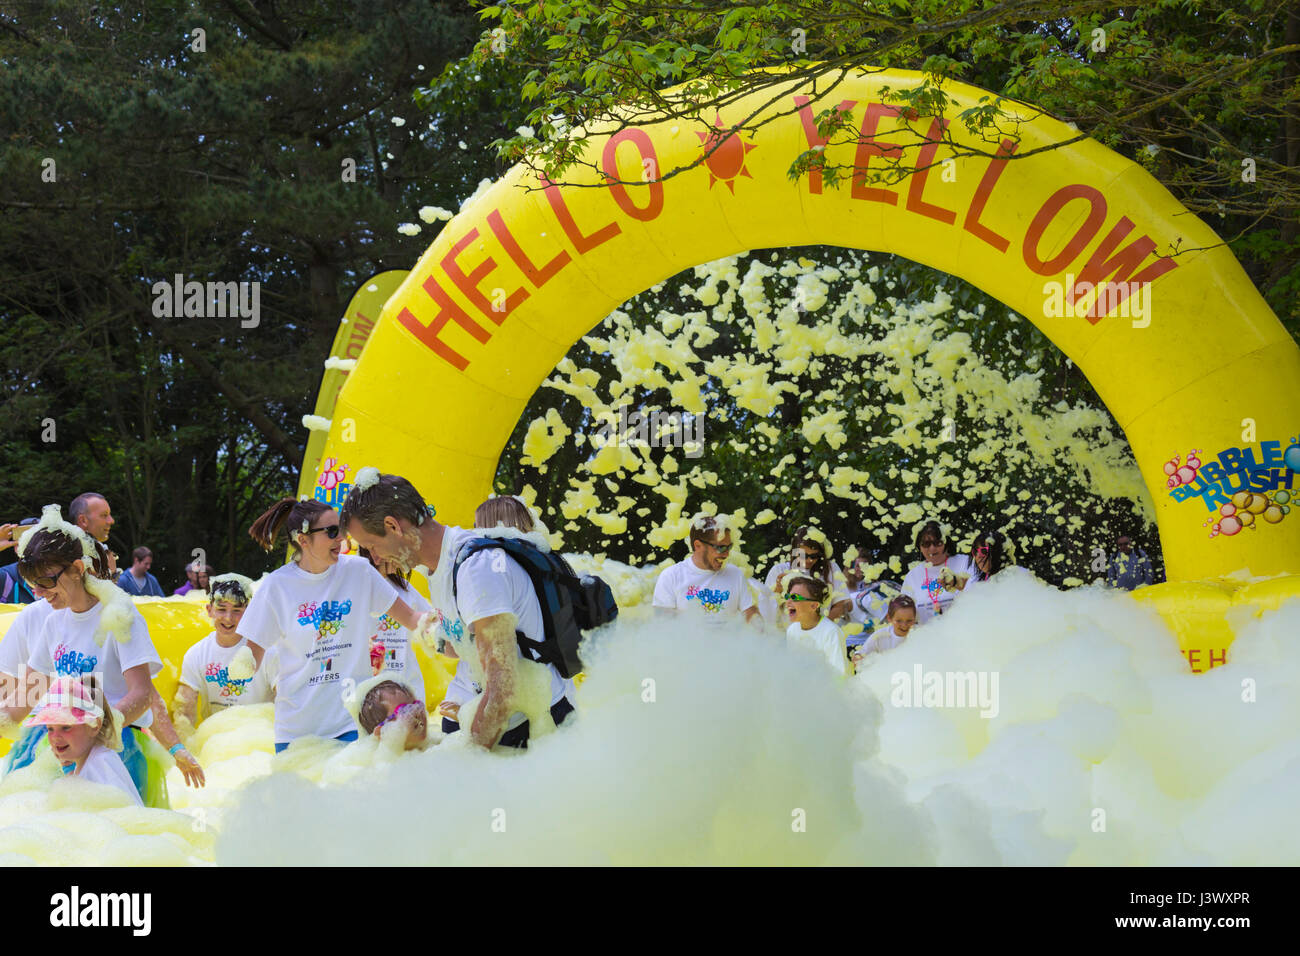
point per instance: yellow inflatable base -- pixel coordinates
(1205, 616)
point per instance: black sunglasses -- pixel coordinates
(331, 531)
(45, 583)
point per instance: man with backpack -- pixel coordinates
(485, 594)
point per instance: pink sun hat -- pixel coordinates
(68, 701)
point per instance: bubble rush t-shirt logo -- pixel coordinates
(710, 599)
(218, 674)
(69, 663)
(327, 618)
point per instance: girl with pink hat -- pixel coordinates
(82, 735)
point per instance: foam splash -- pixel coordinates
(739, 750)
(316, 423)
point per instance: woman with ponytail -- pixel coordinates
(324, 607)
(93, 628)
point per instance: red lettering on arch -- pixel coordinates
(917, 187)
(609, 163)
(972, 224)
(583, 243)
(538, 276)
(1049, 211)
(868, 147)
(815, 138)
(468, 284)
(1102, 268)
(448, 310)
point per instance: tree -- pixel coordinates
(219, 142)
(1204, 95)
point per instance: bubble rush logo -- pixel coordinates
(327, 618)
(1241, 486)
(69, 663)
(218, 674)
(331, 489)
(710, 599)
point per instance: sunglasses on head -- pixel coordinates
(331, 531)
(45, 582)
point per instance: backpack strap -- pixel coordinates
(532, 649)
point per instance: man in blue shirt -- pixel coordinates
(138, 581)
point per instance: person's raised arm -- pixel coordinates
(494, 637)
(405, 615)
(751, 612)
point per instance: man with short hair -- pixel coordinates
(492, 598)
(138, 581)
(1129, 569)
(89, 511)
(704, 582)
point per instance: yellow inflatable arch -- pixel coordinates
(1179, 344)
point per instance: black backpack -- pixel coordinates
(570, 605)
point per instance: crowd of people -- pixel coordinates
(328, 637)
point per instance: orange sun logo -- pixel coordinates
(728, 160)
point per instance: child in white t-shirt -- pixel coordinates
(82, 735)
(804, 597)
(219, 670)
(899, 621)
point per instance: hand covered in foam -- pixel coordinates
(243, 665)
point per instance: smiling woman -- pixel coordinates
(324, 607)
(92, 628)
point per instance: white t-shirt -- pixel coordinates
(322, 623)
(923, 586)
(462, 688)
(885, 639)
(827, 638)
(66, 647)
(685, 587)
(484, 591)
(15, 646)
(103, 766)
(869, 607)
(393, 641)
(206, 670)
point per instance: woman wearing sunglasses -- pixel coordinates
(92, 628)
(320, 610)
(939, 578)
(990, 553)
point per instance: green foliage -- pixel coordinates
(221, 165)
